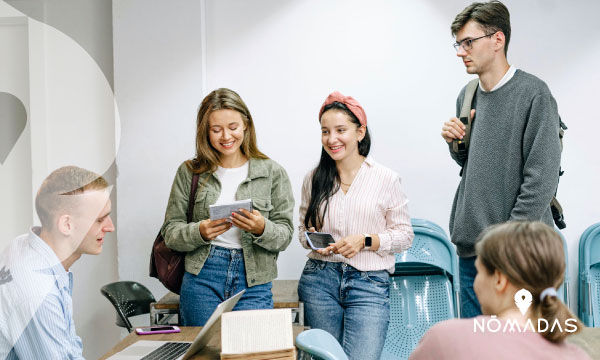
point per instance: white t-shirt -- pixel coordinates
(230, 179)
(509, 74)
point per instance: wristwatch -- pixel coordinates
(368, 242)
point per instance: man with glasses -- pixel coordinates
(510, 171)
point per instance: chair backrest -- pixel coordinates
(320, 343)
(589, 276)
(583, 243)
(129, 298)
(582, 300)
(591, 249)
(563, 290)
(430, 253)
(417, 302)
(427, 224)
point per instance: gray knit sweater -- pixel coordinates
(511, 172)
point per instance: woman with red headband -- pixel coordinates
(345, 286)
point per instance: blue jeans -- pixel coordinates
(222, 276)
(469, 305)
(351, 305)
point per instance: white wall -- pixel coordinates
(284, 57)
(158, 86)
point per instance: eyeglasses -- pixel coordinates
(467, 44)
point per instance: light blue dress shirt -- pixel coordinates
(36, 308)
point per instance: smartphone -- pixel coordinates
(318, 240)
(157, 330)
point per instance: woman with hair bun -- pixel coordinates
(519, 267)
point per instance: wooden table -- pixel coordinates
(210, 352)
(285, 295)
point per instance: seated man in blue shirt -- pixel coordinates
(36, 309)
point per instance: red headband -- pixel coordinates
(350, 103)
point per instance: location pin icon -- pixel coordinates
(13, 118)
(523, 300)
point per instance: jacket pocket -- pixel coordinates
(264, 206)
(201, 206)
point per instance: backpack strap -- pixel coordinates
(561, 132)
(557, 210)
(459, 146)
(192, 198)
(557, 213)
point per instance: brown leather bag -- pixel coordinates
(168, 265)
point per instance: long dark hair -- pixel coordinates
(325, 179)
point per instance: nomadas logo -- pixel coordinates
(523, 300)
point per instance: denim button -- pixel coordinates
(233, 252)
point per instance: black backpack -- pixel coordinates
(461, 147)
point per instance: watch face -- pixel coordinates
(367, 241)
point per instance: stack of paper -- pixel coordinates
(257, 335)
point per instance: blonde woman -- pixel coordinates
(239, 252)
(511, 257)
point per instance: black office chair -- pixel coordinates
(129, 298)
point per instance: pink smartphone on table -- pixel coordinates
(157, 330)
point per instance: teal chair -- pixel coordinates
(424, 290)
(321, 344)
(415, 222)
(563, 290)
(589, 276)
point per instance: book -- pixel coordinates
(257, 335)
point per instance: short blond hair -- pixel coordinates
(67, 180)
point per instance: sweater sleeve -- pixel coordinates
(541, 159)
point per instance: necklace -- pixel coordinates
(353, 176)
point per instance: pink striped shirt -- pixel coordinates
(374, 204)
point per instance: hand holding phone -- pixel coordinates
(318, 240)
(157, 330)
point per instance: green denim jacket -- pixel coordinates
(271, 192)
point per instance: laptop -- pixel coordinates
(178, 350)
